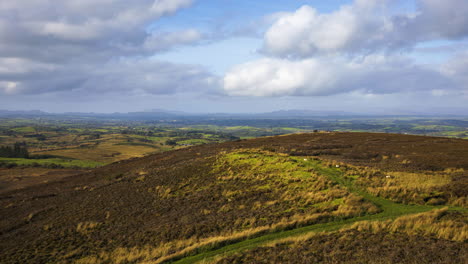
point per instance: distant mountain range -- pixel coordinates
(165, 115)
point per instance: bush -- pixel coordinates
(11, 165)
(436, 201)
(170, 142)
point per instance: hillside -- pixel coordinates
(358, 189)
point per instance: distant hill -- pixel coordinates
(306, 113)
(165, 114)
(7, 113)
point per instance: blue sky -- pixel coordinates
(217, 16)
(230, 15)
(383, 56)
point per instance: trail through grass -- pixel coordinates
(390, 210)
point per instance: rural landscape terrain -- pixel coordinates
(63, 144)
(232, 190)
(234, 131)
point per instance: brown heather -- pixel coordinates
(218, 193)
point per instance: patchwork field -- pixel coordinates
(84, 145)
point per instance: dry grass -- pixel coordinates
(418, 181)
(181, 248)
(292, 178)
(431, 224)
(19, 178)
(310, 198)
(424, 187)
(440, 224)
(407, 239)
(353, 247)
(165, 251)
(106, 151)
(87, 227)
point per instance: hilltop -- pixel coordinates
(257, 200)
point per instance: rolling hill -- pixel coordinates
(301, 198)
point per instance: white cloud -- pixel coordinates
(146, 76)
(364, 26)
(91, 46)
(8, 87)
(374, 74)
(165, 41)
(277, 77)
(306, 32)
(350, 51)
(93, 29)
(88, 47)
(129, 76)
(16, 66)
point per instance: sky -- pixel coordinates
(235, 56)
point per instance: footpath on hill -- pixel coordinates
(390, 210)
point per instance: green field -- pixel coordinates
(66, 163)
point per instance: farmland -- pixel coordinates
(90, 141)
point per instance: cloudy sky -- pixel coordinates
(374, 56)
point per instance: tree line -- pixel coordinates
(18, 150)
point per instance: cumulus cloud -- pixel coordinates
(440, 19)
(364, 26)
(130, 76)
(375, 74)
(350, 51)
(150, 77)
(277, 77)
(40, 28)
(87, 47)
(92, 46)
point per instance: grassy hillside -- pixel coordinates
(201, 199)
(407, 239)
(356, 247)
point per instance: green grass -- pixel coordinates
(390, 210)
(291, 129)
(241, 128)
(67, 163)
(256, 242)
(100, 130)
(24, 129)
(136, 144)
(435, 127)
(76, 130)
(333, 202)
(193, 141)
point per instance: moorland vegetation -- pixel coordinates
(243, 201)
